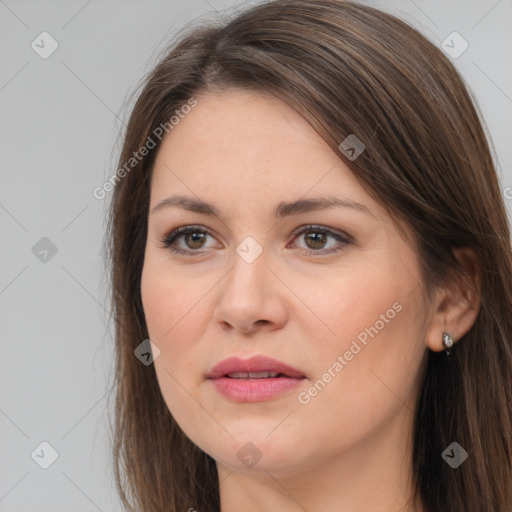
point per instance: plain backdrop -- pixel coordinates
(59, 129)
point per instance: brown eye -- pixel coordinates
(193, 237)
(316, 238)
(194, 240)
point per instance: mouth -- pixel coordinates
(257, 367)
(255, 375)
(254, 380)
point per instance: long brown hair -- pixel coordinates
(347, 69)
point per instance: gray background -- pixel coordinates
(59, 126)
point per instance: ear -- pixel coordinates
(457, 303)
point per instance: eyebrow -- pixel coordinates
(283, 209)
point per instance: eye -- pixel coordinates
(194, 237)
(316, 238)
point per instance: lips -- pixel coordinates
(253, 368)
(258, 379)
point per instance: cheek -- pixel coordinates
(167, 302)
(169, 312)
(172, 313)
(176, 315)
(375, 317)
(344, 305)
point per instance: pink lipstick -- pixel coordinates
(256, 379)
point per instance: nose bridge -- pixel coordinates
(244, 298)
(249, 263)
(251, 250)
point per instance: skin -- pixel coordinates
(350, 447)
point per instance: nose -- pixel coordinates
(251, 297)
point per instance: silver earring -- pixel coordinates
(447, 342)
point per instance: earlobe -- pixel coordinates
(456, 306)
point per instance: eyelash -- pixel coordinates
(174, 235)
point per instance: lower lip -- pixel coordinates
(255, 390)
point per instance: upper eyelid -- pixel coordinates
(319, 227)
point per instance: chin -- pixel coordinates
(254, 451)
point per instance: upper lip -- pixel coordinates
(254, 364)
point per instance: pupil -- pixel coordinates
(196, 237)
(318, 239)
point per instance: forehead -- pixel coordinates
(243, 139)
(247, 122)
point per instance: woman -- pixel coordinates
(308, 226)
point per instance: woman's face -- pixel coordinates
(342, 302)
